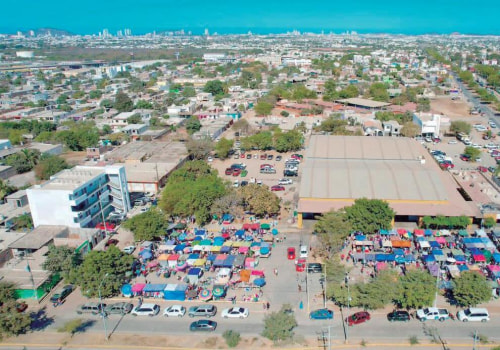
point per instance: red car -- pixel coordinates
(263, 156)
(108, 226)
(301, 265)
(111, 242)
(290, 253)
(464, 157)
(357, 318)
(446, 165)
(262, 166)
(229, 171)
(482, 169)
(296, 156)
(243, 155)
(277, 188)
(236, 172)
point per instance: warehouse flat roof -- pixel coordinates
(339, 169)
(363, 102)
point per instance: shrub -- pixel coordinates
(232, 338)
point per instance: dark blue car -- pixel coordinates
(321, 314)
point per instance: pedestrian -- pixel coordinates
(264, 305)
(268, 305)
(300, 288)
(284, 237)
(275, 271)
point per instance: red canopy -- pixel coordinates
(402, 231)
(251, 226)
(479, 258)
(419, 232)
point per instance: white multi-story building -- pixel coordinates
(79, 197)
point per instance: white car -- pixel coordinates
(210, 159)
(235, 312)
(174, 311)
(129, 249)
(285, 182)
(236, 184)
(146, 310)
(452, 142)
(493, 125)
(475, 145)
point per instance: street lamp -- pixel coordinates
(103, 314)
(346, 280)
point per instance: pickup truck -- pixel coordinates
(432, 313)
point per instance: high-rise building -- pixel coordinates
(105, 33)
(127, 32)
(79, 197)
(207, 33)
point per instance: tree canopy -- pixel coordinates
(472, 152)
(223, 147)
(278, 326)
(192, 190)
(147, 226)
(417, 289)
(460, 126)
(62, 260)
(193, 125)
(471, 288)
(263, 108)
(109, 267)
(370, 215)
(123, 103)
(332, 229)
(12, 322)
(288, 141)
(215, 87)
(49, 165)
(260, 200)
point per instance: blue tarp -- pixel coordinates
(428, 232)
(496, 257)
(264, 250)
(398, 251)
(225, 249)
(218, 241)
(227, 217)
(384, 232)
(463, 267)
(146, 254)
(193, 256)
(200, 233)
(228, 262)
(240, 233)
(126, 290)
(152, 288)
(179, 247)
(211, 257)
(360, 237)
(195, 271)
(175, 292)
(260, 282)
(428, 258)
(459, 258)
(385, 257)
(434, 244)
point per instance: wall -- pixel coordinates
(51, 207)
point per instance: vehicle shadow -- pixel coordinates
(85, 325)
(40, 320)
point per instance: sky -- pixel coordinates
(258, 16)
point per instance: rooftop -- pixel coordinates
(363, 102)
(37, 238)
(70, 179)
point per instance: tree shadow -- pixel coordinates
(85, 325)
(40, 320)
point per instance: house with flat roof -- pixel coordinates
(79, 197)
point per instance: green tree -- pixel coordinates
(378, 92)
(284, 114)
(193, 125)
(6, 189)
(410, 129)
(62, 99)
(457, 126)
(215, 87)
(349, 92)
(23, 161)
(423, 105)
(288, 141)
(109, 267)
(72, 327)
(471, 288)
(95, 94)
(49, 165)
(263, 108)
(16, 136)
(370, 215)
(62, 260)
(232, 338)
(11, 321)
(107, 104)
(188, 91)
(143, 104)
(330, 91)
(147, 226)
(199, 149)
(123, 103)
(379, 292)
(241, 126)
(134, 119)
(223, 147)
(231, 203)
(192, 190)
(488, 222)
(259, 200)
(472, 152)
(278, 326)
(333, 228)
(417, 289)
(23, 221)
(106, 129)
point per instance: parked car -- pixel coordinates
(61, 294)
(121, 308)
(263, 156)
(108, 226)
(111, 242)
(290, 253)
(474, 314)
(249, 156)
(146, 309)
(236, 172)
(202, 311)
(314, 268)
(129, 249)
(398, 315)
(235, 312)
(243, 156)
(228, 171)
(279, 158)
(210, 159)
(203, 326)
(452, 142)
(321, 314)
(290, 173)
(236, 184)
(270, 157)
(244, 183)
(285, 182)
(482, 169)
(268, 171)
(91, 308)
(357, 318)
(277, 188)
(432, 313)
(465, 157)
(175, 311)
(262, 166)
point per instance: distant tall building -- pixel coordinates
(127, 32)
(207, 33)
(105, 33)
(32, 33)
(119, 33)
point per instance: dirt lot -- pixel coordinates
(74, 158)
(458, 109)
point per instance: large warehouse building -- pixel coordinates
(340, 169)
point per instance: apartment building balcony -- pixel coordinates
(74, 201)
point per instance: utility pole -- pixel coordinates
(348, 307)
(324, 291)
(307, 287)
(103, 313)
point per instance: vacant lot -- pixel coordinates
(458, 109)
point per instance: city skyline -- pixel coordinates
(258, 17)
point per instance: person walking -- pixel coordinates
(268, 305)
(276, 271)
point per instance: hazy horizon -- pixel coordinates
(259, 16)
